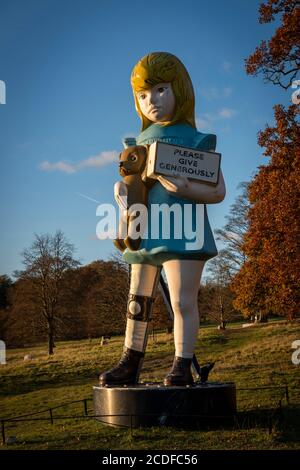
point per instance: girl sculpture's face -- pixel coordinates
(158, 103)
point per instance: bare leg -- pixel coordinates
(183, 278)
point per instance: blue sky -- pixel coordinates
(67, 64)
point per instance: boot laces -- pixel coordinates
(124, 359)
(179, 365)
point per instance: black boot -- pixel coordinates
(180, 373)
(126, 372)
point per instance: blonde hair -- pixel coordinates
(162, 67)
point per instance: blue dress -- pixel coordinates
(157, 250)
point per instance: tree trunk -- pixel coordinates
(222, 325)
(51, 344)
(264, 319)
(261, 318)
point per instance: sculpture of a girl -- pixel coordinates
(164, 100)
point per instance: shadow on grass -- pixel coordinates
(284, 421)
(283, 424)
(20, 384)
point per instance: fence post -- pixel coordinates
(287, 394)
(85, 407)
(51, 415)
(3, 431)
(270, 424)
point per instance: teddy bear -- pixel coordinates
(132, 168)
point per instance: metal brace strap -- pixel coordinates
(139, 307)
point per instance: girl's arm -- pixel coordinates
(202, 193)
(121, 194)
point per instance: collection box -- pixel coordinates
(167, 160)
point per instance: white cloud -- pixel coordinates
(59, 166)
(204, 122)
(96, 161)
(214, 93)
(102, 159)
(227, 113)
(225, 129)
(207, 121)
(211, 93)
(226, 65)
(227, 91)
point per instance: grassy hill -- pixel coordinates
(253, 358)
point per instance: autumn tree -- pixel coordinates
(46, 262)
(96, 301)
(278, 60)
(25, 324)
(106, 298)
(269, 279)
(160, 317)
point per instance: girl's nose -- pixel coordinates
(151, 98)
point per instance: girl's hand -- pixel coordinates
(121, 194)
(201, 193)
(176, 184)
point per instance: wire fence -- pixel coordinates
(275, 414)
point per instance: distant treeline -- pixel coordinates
(92, 302)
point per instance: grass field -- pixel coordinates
(251, 357)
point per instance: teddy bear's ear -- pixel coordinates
(143, 150)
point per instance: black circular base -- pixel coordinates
(154, 405)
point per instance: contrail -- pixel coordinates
(88, 197)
